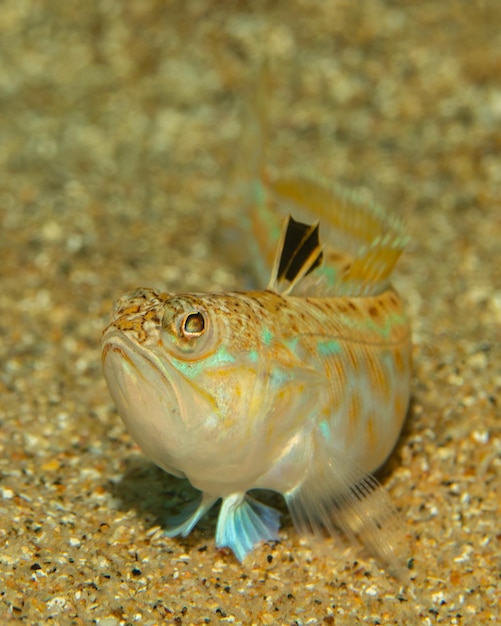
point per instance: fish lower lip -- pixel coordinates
(146, 398)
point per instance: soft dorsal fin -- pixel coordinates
(298, 253)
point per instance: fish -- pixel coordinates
(300, 387)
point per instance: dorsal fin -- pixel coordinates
(298, 253)
(362, 242)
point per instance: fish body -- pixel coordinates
(272, 378)
(301, 388)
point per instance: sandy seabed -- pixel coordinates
(119, 126)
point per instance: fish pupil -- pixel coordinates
(193, 324)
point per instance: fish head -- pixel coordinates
(185, 377)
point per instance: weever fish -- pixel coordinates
(300, 388)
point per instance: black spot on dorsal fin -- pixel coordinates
(300, 243)
(299, 253)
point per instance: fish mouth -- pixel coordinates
(151, 398)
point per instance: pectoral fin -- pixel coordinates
(337, 494)
(187, 520)
(243, 522)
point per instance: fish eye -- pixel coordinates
(193, 325)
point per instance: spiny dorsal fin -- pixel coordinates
(298, 253)
(362, 242)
